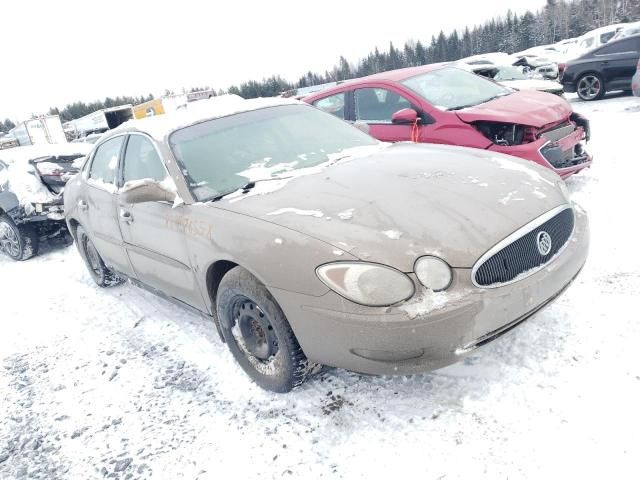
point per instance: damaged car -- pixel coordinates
(443, 104)
(32, 180)
(314, 244)
(513, 77)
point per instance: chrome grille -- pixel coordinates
(519, 253)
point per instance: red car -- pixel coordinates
(444, 104)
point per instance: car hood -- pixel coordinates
(533, 84)
(409, 200)
(524, 107)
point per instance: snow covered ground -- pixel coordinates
(122, 384)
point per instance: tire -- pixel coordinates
(101, 274)
(18, 242)
(590, 86)
(259, 335)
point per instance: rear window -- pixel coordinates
(333, 104)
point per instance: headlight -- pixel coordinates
(504, 134)
(368, 284)
(433, 273)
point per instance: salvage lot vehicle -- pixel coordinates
(284, 240)
(32, 181)
(605, 69)
(514, 77)
(443, 104)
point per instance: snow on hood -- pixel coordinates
(410, 200)
(523, 107)
(20, 174)
(161, 125)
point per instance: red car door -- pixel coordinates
(376, 104)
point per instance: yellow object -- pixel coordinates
(149, 109)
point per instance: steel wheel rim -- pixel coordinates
(92, 256)
(9, 240)
(589, 87)
(253, 331)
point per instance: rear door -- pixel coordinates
(618, 62)
(98, 205)
(158, 254)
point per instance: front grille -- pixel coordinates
(559, 131)
(522, 255)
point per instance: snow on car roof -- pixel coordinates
(195, 112)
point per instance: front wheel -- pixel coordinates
(259, 335)
(18, 242)
(590, 87)
(101, 274)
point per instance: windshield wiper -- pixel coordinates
(460, 107)
(244, 188)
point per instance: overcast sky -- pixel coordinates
(59, 51)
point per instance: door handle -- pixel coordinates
(125, 216)
(82, 205)
(605, 62)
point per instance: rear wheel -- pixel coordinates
(259, 335)
(590, 86)
(101, 274)
(18, 242)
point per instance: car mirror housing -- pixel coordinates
(405, 116)
(146, 190)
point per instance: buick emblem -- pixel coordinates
(544, 243)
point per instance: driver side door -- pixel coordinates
(375, 106)
(158, 254)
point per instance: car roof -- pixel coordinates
(388, 76)
(403, 73)
(160, 126)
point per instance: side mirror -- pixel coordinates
(145, 190)
(405, 116)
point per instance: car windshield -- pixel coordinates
(452, 89)
(507, 72)
(222, 155)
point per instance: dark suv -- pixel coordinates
(32, 180)
(604, 69)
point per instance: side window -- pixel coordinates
(587, 42)
(141, 160)
(621, 46)
(105, 161)
(333, 104)
(378, 104)
(605, 37)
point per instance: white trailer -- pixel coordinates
(40, 130)
(100, 121)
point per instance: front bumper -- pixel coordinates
(565, 156)
(430, 330)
